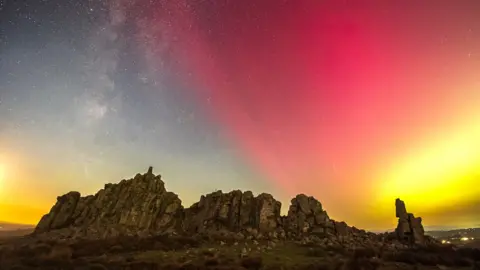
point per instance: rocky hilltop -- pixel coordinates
(142, 206)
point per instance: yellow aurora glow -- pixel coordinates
(445, 173)
(442, 173)
(2, 177)
(2, 174)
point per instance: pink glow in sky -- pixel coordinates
(327, 98)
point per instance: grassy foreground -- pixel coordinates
(175, 252)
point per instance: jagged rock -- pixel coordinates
(305, 214)
(417, 229)
(267, 213)
(141, 203)
(400, 209)
(141, 206)
(409, 228)
(234, 212)
(60, 215)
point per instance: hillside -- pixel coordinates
(138, 224)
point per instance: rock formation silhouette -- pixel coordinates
(142, 206)
(409, 228)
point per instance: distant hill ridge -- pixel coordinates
(4, 225)
(142, 206)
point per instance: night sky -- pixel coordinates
(354, 102)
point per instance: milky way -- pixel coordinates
(354, 103)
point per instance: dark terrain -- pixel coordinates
(8, 226)
(8, 229)
(137, 224)
(14, 233)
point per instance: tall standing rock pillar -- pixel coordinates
(409, 228)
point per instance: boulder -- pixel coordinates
(306, 214)
(266, 217)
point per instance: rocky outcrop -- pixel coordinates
(61, 213)
(234, 211)
(306, 215)
(142, 206)
(409, 228)
(141, 203)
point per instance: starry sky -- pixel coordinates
(354, 102)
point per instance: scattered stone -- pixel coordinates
(244, 252)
